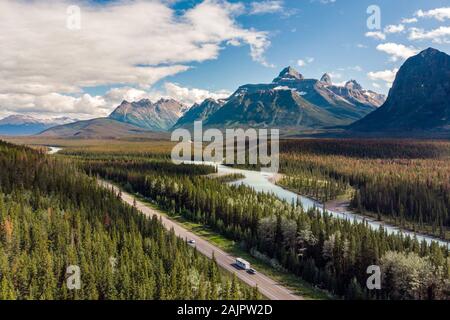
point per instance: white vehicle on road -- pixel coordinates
(241, 263)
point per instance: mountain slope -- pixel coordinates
(277, 107)
(418, 100)
(159, 116)
(199, 112)
(100, 128)
(291, 101)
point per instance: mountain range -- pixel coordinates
(159, 116)
(291, 101)
(19, 125)
(141, 118)
(418, 100)
(101, 128)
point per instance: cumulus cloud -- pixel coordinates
(54, 104)
(439, 35)
(397, 51)
(267, 6)
(387, 76)
(376, 35)
(392, 28)
(335, 75)
(304, 62)
(87, 106)
(132, 43)
(190, 96)
(439, 13)
(409, 20)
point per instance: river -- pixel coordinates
(260, 182)
(53, 150)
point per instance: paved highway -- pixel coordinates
(267, 286)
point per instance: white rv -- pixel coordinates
(241, 263)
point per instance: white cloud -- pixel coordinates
(304, 62)
(376, 85)
(392, 28)
(54, 104)
(190, 96)
(439, 13)
(340, 84)
(387, 76)
(439, 35)
(361, 46)
(356, 68)
(134, 43)
(335, 75)
(87, 106)
(409, 20)
(397, 51)
(376, 35)
(267, 6)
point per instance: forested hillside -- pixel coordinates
(404, 182)
(330, 253)
(53, 216)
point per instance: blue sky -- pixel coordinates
(328, 32)
(193, 49)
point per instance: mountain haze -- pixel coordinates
(19, 125)
(99, 128)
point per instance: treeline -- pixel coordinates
(52, 216)
(414, 191)
(368, 148)
(331, 253)
(318, 188)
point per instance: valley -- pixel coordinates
(195, 158)
(184, 192)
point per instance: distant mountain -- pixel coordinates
(418, 100)
(290, 101)
(27, 125)
(99, 128)
(353, 92)
(200, 111)
(159, 116)
(277, 107)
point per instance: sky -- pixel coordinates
(81, 58)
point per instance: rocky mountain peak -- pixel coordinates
(288, 74)
(353, 84)
(429, 52)
(326, 78)
(419, 97)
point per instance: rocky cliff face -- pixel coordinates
(292, 101)
(159, 116)
(200, 112)
(419, 98)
